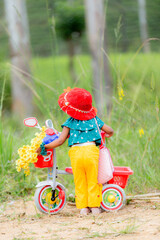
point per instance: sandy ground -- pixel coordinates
(136, 221)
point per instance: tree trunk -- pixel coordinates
(95, 19)
(143, 24)
(71, 59)
(16, 16)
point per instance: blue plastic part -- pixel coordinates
(48, 138)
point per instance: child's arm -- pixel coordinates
(57, 142)
(108, 130)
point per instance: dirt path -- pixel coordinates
(137, 221)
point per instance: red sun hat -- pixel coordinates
(77, 103)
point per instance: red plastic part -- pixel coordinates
(120, 176)
(103, 135)
(45, 161)
(24, 121)
(61, 194)
(50, 132)
(69, 170)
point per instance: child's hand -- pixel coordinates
(38, 151)
(108, 130)
(107, 135)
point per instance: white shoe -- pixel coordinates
(85, 211)
(96, 210)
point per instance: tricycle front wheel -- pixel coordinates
(43, 200)
(113, 197)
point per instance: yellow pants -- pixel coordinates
(84, 162)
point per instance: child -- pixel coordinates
(84, 138)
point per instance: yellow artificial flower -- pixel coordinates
(141, 132)
(28, 154)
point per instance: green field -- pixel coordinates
(138, 75)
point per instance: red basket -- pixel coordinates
(120, 176)
(45, 161)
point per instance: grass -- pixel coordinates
(139, 108)
(129, 228)
(22, 238)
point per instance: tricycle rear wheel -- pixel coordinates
(113, 197)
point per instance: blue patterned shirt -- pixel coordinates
(82, 131)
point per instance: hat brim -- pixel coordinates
(73, 112)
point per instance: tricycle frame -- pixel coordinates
(113, 195)
(50, 196)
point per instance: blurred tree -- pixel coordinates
(50, 44)
(143, 24)
(39, 25)
(153, 17)
(16, 16)
(70, 26)
(95, 17)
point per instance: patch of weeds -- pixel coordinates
(95, 220)
(71, 198)
(23, 238)
(127, 229)
(156, 206)
(55, 235)
(128, 201)
(99, 235)
(67, 214)
(37, 216)
(29, 198)
(98, 223)
(3, 207)
(11, 217)
(65, 224)
(84, 229)
(21, 215)
(34, 233)
(49, 230)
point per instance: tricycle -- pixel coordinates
(50, 195)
